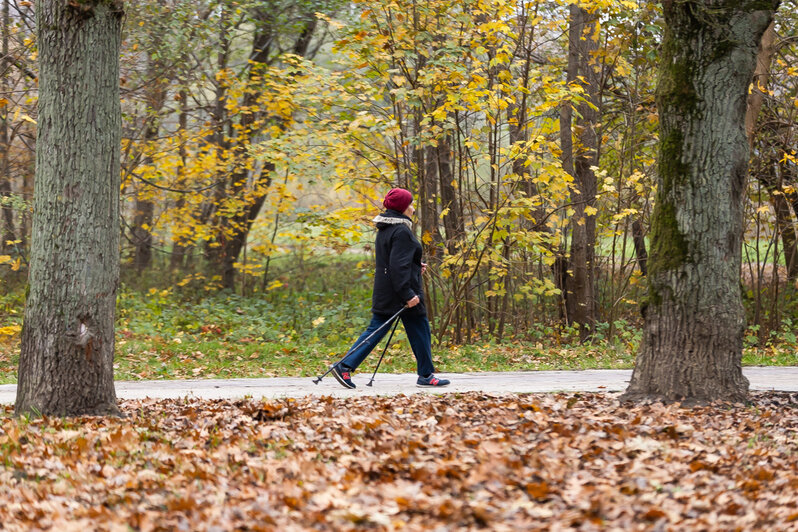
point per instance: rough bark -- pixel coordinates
(692, 339)
(66, 357)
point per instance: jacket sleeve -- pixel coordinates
(400, 264)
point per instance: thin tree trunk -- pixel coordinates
(785, 221)
(242, 223)
(694, 323)
(639, 241)
(67, 351)
(756, 97)
(179, 248)
(145, 206)
(428, 204)
(451, 208)
(790, 230)
(142, 233)
(7, 230)
(220, 121)
(234, 230)
(766, 172)
(578, 159)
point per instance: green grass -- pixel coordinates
(231, 353)
(308, 323)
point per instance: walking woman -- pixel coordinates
(397, 282)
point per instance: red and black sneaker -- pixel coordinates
(343, 376)
(431, 381)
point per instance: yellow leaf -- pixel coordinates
(590, 211)
(10, 330)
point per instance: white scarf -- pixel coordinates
(393, 220)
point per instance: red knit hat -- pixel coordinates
(398, 199)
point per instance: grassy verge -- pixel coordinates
(238, 351)
(308, 321)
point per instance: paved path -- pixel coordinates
(600, 380)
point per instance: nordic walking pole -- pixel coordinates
(369, 337)
(383, 352)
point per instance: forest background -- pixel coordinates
(259, 138)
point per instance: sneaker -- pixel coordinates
(343, 376)
(431, 381)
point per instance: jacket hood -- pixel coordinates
(391, 217)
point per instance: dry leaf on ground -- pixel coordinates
(457, 461)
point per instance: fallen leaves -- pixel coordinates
(457, 461)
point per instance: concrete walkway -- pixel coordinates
(601, 380)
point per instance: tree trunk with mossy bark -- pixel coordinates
(694, 320)
(66, 357)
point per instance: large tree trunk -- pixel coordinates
(66, 358)
(692, 339)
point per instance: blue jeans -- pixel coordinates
(418, 332)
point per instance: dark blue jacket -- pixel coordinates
(397, 277)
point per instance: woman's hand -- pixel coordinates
(413, 302)
(423, 267)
